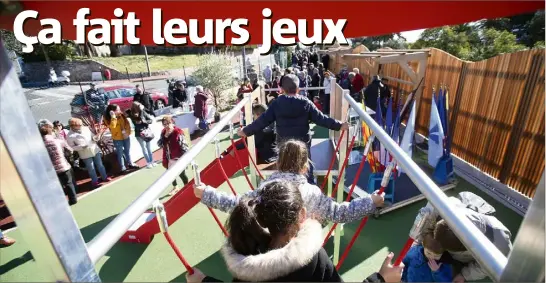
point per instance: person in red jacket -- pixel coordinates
(358, 84)
(174, 146)
(316, 101)
(200, 108)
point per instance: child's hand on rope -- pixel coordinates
(196, 277)
(378, 199)
(198, 190)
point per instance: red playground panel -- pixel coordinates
(144, 229)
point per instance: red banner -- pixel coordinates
(364, 18)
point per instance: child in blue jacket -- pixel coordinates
(292, 114)
(421, 263)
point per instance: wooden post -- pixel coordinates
(421, 69)
(250, 140)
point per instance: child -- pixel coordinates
(421, 263)
(270, 240)
(292, 114)
(316, 101)
(264, 140)
(292, 166)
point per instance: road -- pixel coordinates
(54, 103)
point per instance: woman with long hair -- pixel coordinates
(120, 127)
(142, 121)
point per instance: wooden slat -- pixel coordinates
(496, 108)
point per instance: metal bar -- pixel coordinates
(485, 253)
(303, 88)
(31, 188)
(526, 261)
(117, 227)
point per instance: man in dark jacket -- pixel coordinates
(179, 95)
(200, 109)
(145, 99)
(372, 92)
(293, 114)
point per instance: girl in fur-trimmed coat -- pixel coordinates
(292, 166)
(272, 240)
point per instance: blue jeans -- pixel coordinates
(123, 152)
(1, 234)
(146, 150)
(93, 163)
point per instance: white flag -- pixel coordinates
(435, 136)
(407, 139)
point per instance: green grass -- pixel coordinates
(199, 238)
(137, 63)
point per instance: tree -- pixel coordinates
(215, 73)
(10, 42)
(392, 40)
(528, 28)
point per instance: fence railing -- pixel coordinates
(110, 235)
(483, 250)
(496, 109)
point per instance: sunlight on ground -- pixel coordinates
(137, 63)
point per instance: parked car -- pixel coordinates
(122, 96)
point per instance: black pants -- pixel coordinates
(67, 182)
(183, 177)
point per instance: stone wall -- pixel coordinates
(80, 71)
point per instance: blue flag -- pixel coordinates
(435, 136)
(396, 126)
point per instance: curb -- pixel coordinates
(121, 81)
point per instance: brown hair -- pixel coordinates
(75, 122)
(432, 244)
(445, 236)
(293, 157)
(167, 118)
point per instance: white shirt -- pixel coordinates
(327, 85)
(83, 143)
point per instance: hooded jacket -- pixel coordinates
(416, 268)
(318, 204)
(292, 114)
(301, 260)
(200, 108)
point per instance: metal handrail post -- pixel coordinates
(104, 241)
(485, 253)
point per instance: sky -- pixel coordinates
(413, 35)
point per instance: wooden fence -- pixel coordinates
(496, 106)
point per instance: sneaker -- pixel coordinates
(149, 166)
(174, 191)
(133, 166)
(96, 185)
(72, 202)
(6, 241)
(108, 179)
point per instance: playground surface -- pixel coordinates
(199, 238)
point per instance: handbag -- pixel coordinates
(147, 134)
(203, 125)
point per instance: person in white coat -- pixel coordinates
(81, 140)
(325, 96)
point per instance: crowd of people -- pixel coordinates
(275, 231)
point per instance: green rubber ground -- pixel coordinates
(199, 238)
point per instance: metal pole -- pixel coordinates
(142, 81)
(244, 62)
(526, 261)
(104, 241)
(31, 189)
(485, 253)
(147, 61)
(127, 71)
(185, 78)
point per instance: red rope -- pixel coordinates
(332, 161)
(346, 252)
(241, 165)
(355, 180)
(357, 232)
(252, 159)
(403, 252)
(178, 253)
(218, 221)
(225, 176)
(344, 165)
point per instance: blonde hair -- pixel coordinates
(75, 122)
(356, 70)
(293, 157)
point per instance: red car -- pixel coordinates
(123, 96)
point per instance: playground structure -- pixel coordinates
(41, 208)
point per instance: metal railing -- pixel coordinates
(110, 235)
(303, 88)
(485, 253)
